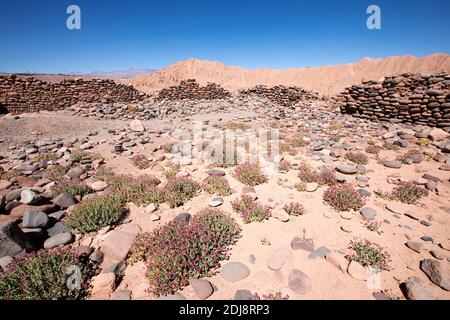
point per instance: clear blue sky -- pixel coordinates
(154, 34)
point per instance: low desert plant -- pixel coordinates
(44, 157)
(78, 156)
(294, 209)
(372, 149)
(298, 142)
(249, 174)
(391, 147)
(103, 173)
(70, 188)
(407, 192)
(271, 296)
(171, 171)
(309, 175)
(335, 126)
(180, 190)
(95, 213)
(265, 242)
(368, 254)
(237, 126)
(357, 157)
(217, 185)
(250, 210)
(45, 276)
(373, 226)
(284, 166)
(168, 147)
(178, 251)
(55, 173)
(300, 186)
(11, 174)
(141, 190)
(140, 161)
(343, 198)
(285, 147)
(423, 142)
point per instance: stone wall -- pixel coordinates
(282, 95)
(191, 90)
(408, 98)
(19, 95)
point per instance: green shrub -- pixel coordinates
(284, 166)
(309, 175)
(372, 149)
(95, 213)
(140, 161)
(103, 173)
(45, 276)
(70, 188)
(300, 186)
(407, 192)
(180, 190)
(344, 198)
(368, 254)
(11, 174)
(171, 171)
(250, 210)
(178, 251)
(217, 185)
(294, 209)
(357, 157)
(55, 173)
(44, 157)
(141, 190)
(249, 174)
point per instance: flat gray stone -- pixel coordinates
(202, 288)
(299, 282)
(368, 213)
(58, 240)
(35, 220)
(346, 168)
(319, 253)
(302, 244)
(234, 271)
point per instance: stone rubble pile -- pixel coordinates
(191, 90)
(408, 98)
(282, 95)
(18, 95)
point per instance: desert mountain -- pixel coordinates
(326, 80)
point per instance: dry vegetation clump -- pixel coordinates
(95, 213)
(294, 209)
(250, 210)
(368, 254)
(344, 198)
(196, 250)
(249, 174)
(357, 157)
(140, 161)
(217, 185)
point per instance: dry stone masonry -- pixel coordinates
(191, 90)
(408, 98)
(19, 95)
(282, 95)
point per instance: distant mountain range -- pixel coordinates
(122, 74)
(327, 80)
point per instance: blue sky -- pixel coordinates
(154, 34)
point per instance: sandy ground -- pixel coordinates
(323, 223)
